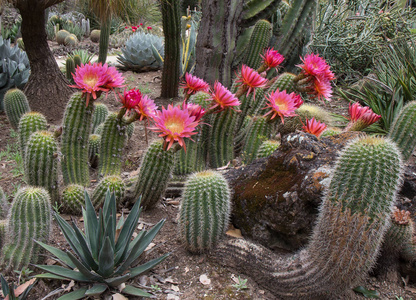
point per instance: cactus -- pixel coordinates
(402, 129)
(113, 140)
(29, 219)
(205, 210)
(259, 40)
(15, 105)
(4, 205)
(61, 35)
(94, 149)
(353, 217)
(74, 141)
(267, 148)
(130, 130)
(259, 130)
(155, 170)
(20, 44)
(105, 30)
(99, 129)
(95, 36)
(71, 40)
(77, 60)
(3, 232)
(70, 69)
(72, 199)
(258, 9)
(113, 183)
(29, 123)
(41, 162)
(99, 115)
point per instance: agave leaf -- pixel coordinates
(64, 272)
(121, 255)
(87, 257)
(106, 259)
(116, 281)
(4, 285)
(61, 255)
(97, 289)
(51, 276)
(129, 226)
(84, 271)
(75, 295)
(90, 224)
(131, 290)
(147, 266)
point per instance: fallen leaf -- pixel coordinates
(150, 246)
(172, 297)
(174, 288)
(171, 280)
(119, 297)
(186, 269)
(70, 286)
(21, 288)
(121, 287)
(50, 262)
(235, 279)
(140, 227)
(204, 279)
(234, 232)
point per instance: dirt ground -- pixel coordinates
(182, 275)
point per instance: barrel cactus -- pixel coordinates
(140, 52)
(61, 36)
(99, 115)
(95, 35)
(15, 105)
(72, 199)
(29, 123)
(114, 184)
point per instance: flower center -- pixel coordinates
(90, 79)
(175, 126)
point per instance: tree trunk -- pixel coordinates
(47, 89)
(217, 39)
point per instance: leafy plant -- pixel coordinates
(105, 253)
(21, 292)
(241, 284)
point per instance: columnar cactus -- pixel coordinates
(4, 205)
(267, 148)
(99, 115)
(155, 170)
(259, 40)
(74, 142)
(15, 105)
(403, 129)
(72, 199)
(205, 210)
(94, 149)
(3, 232)
(29, 219)
(41, 162)
(29, 123)
(130, 130)
(353, 218)
(113, 140)
(70, 69)
(260, 129)
(113, 183)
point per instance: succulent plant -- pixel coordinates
(4, 205)
(69, 69)
(29, 123)
(3, 232)
(71, 40)
(114, 184)
(72, 199)
(99, 115)
(21, 292)
(61, 36)
(138, 54)
(95, 36)
(15, 105)
(267, 148)
(259, 130)
(94, 149)
(104, 251)
(259, 40)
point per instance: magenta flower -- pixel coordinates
(149, 28)
(195, 110)
(272, 58)
(314, 127)
(282, 104)
(130, 99)
(250, 79)
(174, 124)
(146, 108)
(320, 89)
(194, 84)
(222, 97)
(315, 66)
(360, 117)
(114, 77)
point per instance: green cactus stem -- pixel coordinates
(130, 130)
(155, 171)
(113, 183)
(267, 148)
(99, 115)
(70, 69)
(77, 60)
(260, 129)
(72, 199)
(15, 105)
(3, 232)
(205, 210)
(353, 218)
(29, 123)
(4, 204)
(29, 219)
(105, 30)
(41, 162)
(74, 140)
(259, 41)
(94, 149)
(113, 140)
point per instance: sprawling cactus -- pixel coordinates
(352, 221)
(94, 149)
(15, 105)
(204, 212)
(72, 199)
(41, 162)
(29, 123)
(99, 115)
(138, 53)
(29, 219)
(4, 205)
(113, 183)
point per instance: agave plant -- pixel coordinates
(104, 254)
(21, 292)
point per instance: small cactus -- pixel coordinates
(29, 219)
(61, 35)
(15, 105)
(259, 130)
(94, 149)
(95, 36)
(20, 43)
(29, 123)
(77, 60)
(70, 69)
(205, 210)
(99, 115)
(113, 183)
(130, 130)
(4, 205)
(71, 40)
(72, 199)
(267, 148)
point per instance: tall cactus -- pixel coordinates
(3, 232)
(403, 130)
(99, 115)
(72, 199)
(69, 68)
(204, 212)
(155, 170)
(29, 123)
(113, 183)
(94, 149)
(345, 243)
(259, 40)
(15, 105)
(105, 30)
(113, 140)
(41, 162)
(4, 205)
(29, 219)
(260, 129)
(74, 142)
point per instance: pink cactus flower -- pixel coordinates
(149, 28)
(222, 97)
(195, 110)
(174, 124)
(315, 66)
(250, 79)
(360, 117)
(114, 78)
(194, 84)
(272, 58)
(282, 104)
(146, 108)
(314, 127)
(297, 99)
(320, 89)
(141, 24)
(130, 99)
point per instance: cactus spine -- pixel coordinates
(74, 143)
(94, 149)
(267, 148)
(113, 139)
(41, 162)
(259, 130)
(29, 219)
(4, 205)
(155, 170)
(204, 212)
(259, 40)
(29, 123)
(99, 115)
(353, 218)
(72, 199)
(15, 105)
(403, 129)
(113, 183)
